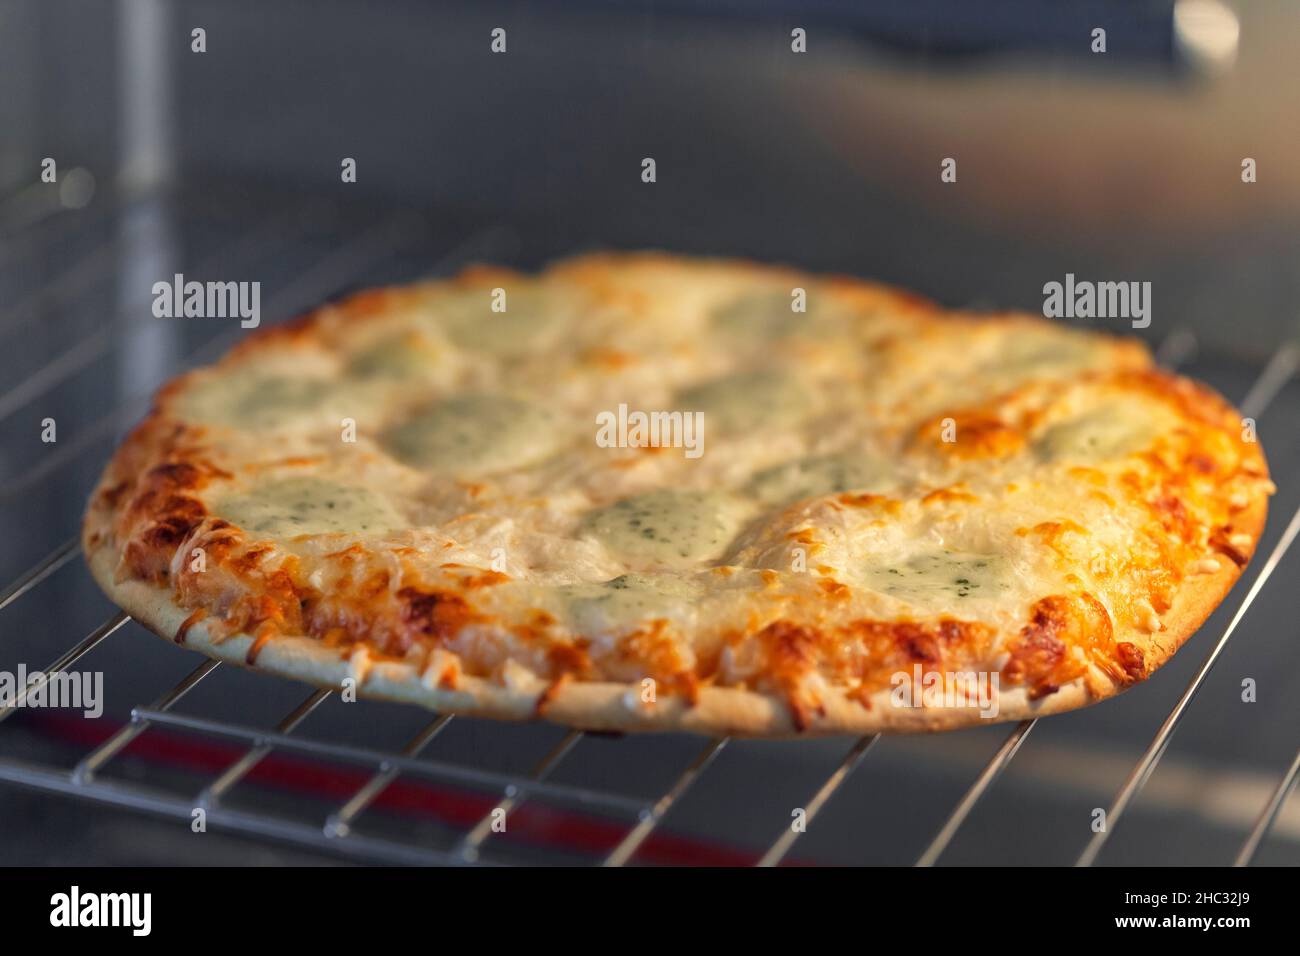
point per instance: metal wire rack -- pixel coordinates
(339, 831)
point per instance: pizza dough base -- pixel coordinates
(718, 711)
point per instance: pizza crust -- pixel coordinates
(601, 706)
(144, 587)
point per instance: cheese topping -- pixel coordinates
(668, 527)
(475, 434)
(417, 471)
(957, 574)
(303, 506)
(748, 401)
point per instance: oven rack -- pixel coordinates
(337, 832)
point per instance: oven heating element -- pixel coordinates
(349, 257)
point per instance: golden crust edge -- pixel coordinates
(581, 269)
(607, 706)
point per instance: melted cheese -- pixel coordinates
(668, 527)
(527, 322)
(1112, 430)
(941, 574)
(748, 401)
(758, 319)
(260, 402)
(305, 506)
(476, 434)
(625, 602)
(407, 355)
(827, 532)
(812, 477)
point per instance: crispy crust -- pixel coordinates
(615, 707)
(598, 705)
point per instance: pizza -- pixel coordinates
(649, 492)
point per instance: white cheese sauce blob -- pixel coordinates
(939, 576)
(747, 402)
(764, 316)
(530, 320)
(668, 527)
(289, 507)
(475, 434)
(821, 475)
(258, 401)
(397, 356)
(1110, 431)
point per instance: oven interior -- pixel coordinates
(224, 164)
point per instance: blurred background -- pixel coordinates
(1125, 165)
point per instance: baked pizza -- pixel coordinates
(647, 492)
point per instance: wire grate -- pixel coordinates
(338, 831)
